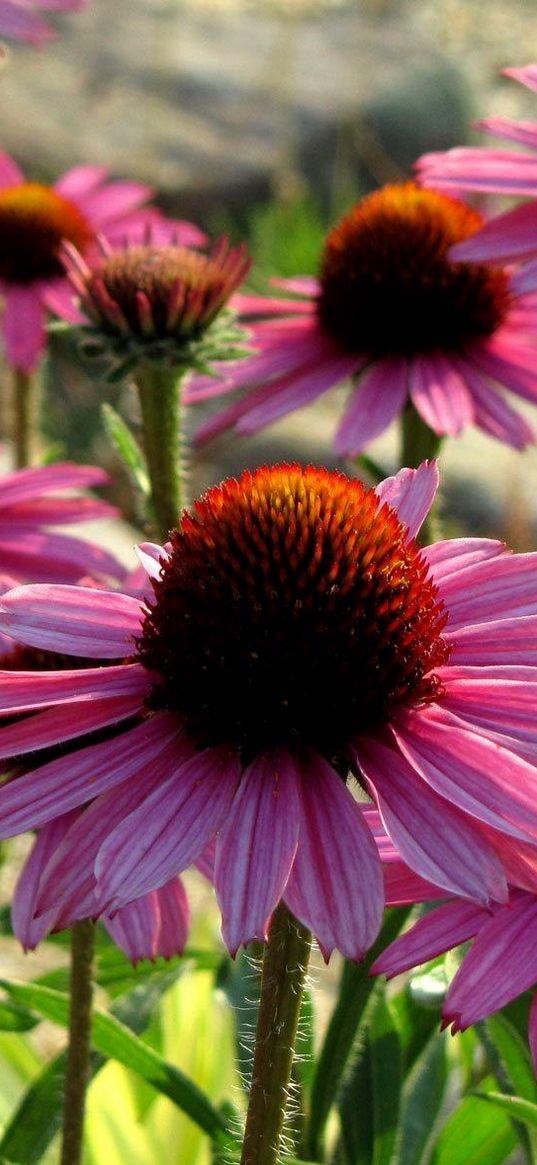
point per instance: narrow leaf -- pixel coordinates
(422, 1100)
(127, 447)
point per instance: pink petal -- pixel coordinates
(527, 75)
(256, 848)
(54, 558)
(477, 168)
(524, 281)
(29, 930)
(297, 390)
(455, 555)
(439, 931)
(411, 493)
(532, 1032)
(105, 204)
(499, 704)
(37, 797)
(10, 173)
(493, 414)
(152, 556)
(300, 284)
(76, 620)
(508, 237)
(402, 887)
(379, 398)
(24, 331)
(500, 588)
(433, 838)
(65, 723)
(506, 641)
(29, 484)
(27, 691)
(439, 394)
(491, 975)
(80, 180)
(513, 367)
(335, 887)
(60, 299)
(136, 928)
(171, 828)
(21, 24)
(483, 779)
(524, 133)
(174, 919)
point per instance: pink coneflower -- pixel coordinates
(489, 976)
(35, 219)
(510, 236)
(298, 637)
(21, 20)
(393, 312)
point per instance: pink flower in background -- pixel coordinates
(35, 219)
(392, 312)
(491, 974)
(20, 19)
(510, 236)
(297, 635)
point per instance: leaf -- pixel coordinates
(355, 1105)
(416, 1023)
(476, 1134)
(355, 989)
(422, 1100)
(38, 1116)
(112, 1039)
(516, 1106)
(127, 447)
(513, 1062)
(14, 1018)
(386, 1079)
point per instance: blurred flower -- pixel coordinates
(158, 303)
(393, 312)
(510, 236)
(34, 219)
(298, 637)
(20, 19)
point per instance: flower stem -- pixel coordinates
(418, 442)
(285, 963)
(25, 416)
(159, 391)
(78, 1055)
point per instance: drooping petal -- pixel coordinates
(29, 801)
(475, 774)
(256, 848)
(76, 620)
(434, 838)
(439, 931)
(174, 918)
(411, 493)
(27, 691)
(24, 329)
(439, 394)
(27, 928)
(335, 887)
(170, 830)
(481, 985)
(374, 404)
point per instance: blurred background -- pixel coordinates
(267, 120)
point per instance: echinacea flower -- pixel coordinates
(408, 325)
(35, 218)
(21, 19)
(491, 974)
(165, 304)
(511, 236)
(298, 637)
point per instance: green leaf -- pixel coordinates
(127, 447)
(14, 1018)
(38, 1117)
(355, 989)
(386, 1078)
(416, 1023)
(516, 1106)
(512, 1066)
(476, 1134)
(422, 1100)
(112, 1039)
(355, 1105)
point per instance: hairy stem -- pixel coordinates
(159, 390)
(285, 963)
(24, 417)
(78, 1054)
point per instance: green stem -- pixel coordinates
(159, 391)
(78, 1054)
(285, 963)
(418, 442)
(25, 417)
